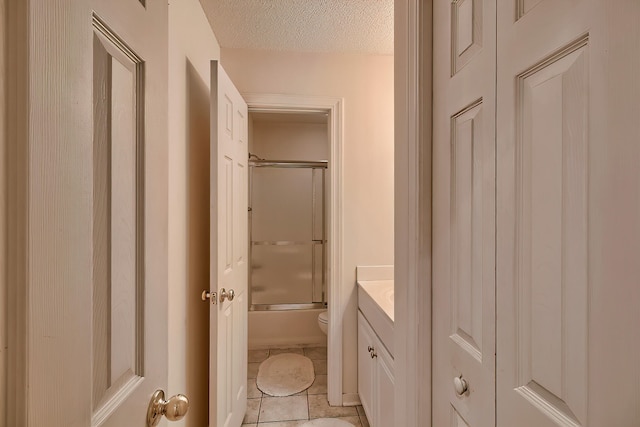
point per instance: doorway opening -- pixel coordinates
(324, 255)
(287, 227)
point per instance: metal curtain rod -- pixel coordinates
(288, 163)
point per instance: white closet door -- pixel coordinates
(464, 213)
(568, 213)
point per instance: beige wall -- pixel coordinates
(366, 84)
(285, 140)
(192, 45)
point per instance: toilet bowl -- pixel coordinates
(323, 320)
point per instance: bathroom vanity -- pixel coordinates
(375, 351)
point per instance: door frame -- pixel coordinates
(16, 140)
(3, 216)
(337, 297)
(413, 178)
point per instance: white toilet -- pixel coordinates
(323, 321)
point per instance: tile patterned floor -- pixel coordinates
(294, 411)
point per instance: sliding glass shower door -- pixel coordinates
(287, 232)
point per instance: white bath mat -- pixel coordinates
(327, 422)
(285, 374)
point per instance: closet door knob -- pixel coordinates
(460, 385)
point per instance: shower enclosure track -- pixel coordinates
(288, 164)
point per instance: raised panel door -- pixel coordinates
(229, 251)
(95, 205)
(463, 227)
(129, 204)
(568, 213)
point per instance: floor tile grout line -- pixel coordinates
(259, 408)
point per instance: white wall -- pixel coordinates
(366, 84)
(192, 45)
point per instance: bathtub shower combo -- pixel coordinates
(287, 251)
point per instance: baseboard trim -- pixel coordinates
(350, 399)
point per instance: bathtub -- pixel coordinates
(288, 328)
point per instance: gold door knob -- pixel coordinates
(224, 294)
(174, 409)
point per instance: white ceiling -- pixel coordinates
(344, 26)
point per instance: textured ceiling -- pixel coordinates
(345, 26)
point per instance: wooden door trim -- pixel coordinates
(412, 253)
(337, 300)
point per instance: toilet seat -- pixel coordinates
(323, 321)
(323, 317)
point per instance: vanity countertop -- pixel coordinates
(375, 301)
(381, 291)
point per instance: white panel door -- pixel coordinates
(568, 213)
(229, 251)
(97, 212)
(464, 213)
(129, 208)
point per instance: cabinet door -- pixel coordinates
(384, 393)
(366, 384)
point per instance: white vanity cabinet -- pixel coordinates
(375, 376)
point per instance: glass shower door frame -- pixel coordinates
(318, 235)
